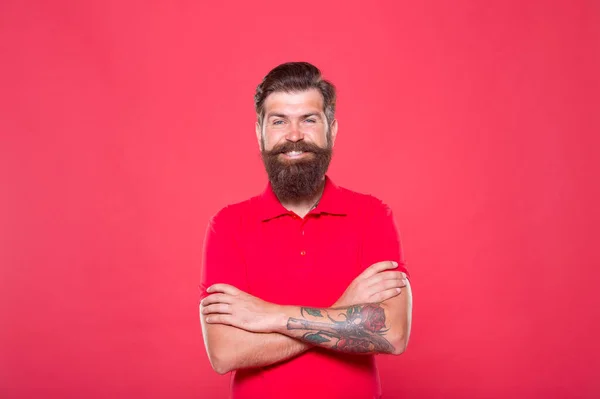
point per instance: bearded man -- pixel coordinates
(303, 284)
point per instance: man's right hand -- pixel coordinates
(375, 284)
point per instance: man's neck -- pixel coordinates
(302, 206)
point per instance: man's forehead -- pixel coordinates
(295, 101)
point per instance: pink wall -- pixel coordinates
(125, 125)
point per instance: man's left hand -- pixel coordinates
(228, 305)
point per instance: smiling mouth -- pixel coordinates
(295, 154)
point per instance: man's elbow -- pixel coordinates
(399, 341)
(221, 370)
(219, 364)
(399, 346)
(399, 332)
(221, 360)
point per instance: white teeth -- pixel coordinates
(293, 153)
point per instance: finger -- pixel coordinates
(389, 284)
(224, 288)
(385, 285)
(378, 267)
(385, 295)
(220, 319)
(221, 308)
(382, 285)
(216, 298)
(387, 275)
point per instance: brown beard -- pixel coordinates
(298, 178)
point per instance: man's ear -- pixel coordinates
(258, 130)
(333, 128)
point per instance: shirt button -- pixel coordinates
(302, 252)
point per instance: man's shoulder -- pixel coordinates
(360, 201)
(236, 211)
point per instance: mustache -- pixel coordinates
(296, 146)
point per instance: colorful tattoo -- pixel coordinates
(359, 328)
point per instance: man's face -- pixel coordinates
(296, 142)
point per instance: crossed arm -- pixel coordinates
(372, 316)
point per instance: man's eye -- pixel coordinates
(278, 122)
(310, 120)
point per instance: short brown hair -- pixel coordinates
(292, 77)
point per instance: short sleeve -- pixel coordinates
(381, 241)
(222, 260)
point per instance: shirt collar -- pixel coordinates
(332, 202)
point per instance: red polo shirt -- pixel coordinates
(270, 252)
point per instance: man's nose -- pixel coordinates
(295, 133)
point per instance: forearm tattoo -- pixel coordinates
(354, 329)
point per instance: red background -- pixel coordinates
(125, 125)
